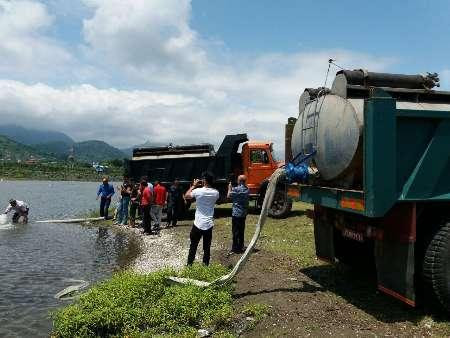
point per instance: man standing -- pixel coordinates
(134, 204)
(239, 196)
(160, 200)
(20, 210)
(175, 203)
(205, 197)
(105, 192)
(125, 192)
(146, 199)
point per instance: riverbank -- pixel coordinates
(56, 172)
(285, 291)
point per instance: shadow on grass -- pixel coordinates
(307, 287)
(359, 288)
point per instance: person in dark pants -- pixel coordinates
(146, 200)
(134, 204)
(239, 196)
(205, 197)
(175, 203)
(105, 192)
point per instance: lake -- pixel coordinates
(37, 260)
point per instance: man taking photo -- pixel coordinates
(205, 197)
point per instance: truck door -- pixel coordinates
(260, 167)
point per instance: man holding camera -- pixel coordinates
(239, 196)
(205, 197)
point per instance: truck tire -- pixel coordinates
(436, 267)
(281, 206)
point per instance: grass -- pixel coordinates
(292, 236)
(136, 305)
(256, 310)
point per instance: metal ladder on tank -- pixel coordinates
(314, 126)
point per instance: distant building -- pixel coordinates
(32, 160)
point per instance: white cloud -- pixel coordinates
(194, 96)
(141, 35)
(25, 50)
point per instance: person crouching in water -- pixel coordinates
(205, 198)
(20, 210)
(239, 197)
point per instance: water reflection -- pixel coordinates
(37, 259)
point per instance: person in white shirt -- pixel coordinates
(205, 197)
(20, 210)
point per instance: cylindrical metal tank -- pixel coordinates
(332, 126)
(331, 121)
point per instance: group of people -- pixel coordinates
(142, 198)
(149, 200)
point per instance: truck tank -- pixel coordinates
(331, 121)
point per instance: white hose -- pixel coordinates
(268, 199)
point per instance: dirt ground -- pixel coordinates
(306, 297)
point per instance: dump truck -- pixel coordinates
(380, 144)
(236, 155)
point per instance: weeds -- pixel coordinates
(257, 311)
(146, 305)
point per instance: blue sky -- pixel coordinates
(182, 72)
(415, 33)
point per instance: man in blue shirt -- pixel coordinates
(239, 196)
(105, 192)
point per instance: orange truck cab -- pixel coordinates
(258, 163)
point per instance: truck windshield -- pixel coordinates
(259, 156)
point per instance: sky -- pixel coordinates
(184, 71)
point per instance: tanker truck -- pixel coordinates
(380, 144)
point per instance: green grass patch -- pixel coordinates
(131, 304)
(256, 310)
(292, 236)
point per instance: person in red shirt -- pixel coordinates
(146, 200)
(160, 200)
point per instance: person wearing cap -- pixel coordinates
(20, 210)
(205, 197)
(239, 195)
(105, 192)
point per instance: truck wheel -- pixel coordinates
(436, 266)
(281, 206)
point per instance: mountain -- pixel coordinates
(56, 145)
(96, 151)
(13, 151)
(87, 151)
(33, 136)
(60, 150)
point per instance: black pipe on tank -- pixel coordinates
(361, 77)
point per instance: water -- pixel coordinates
(37, 260)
